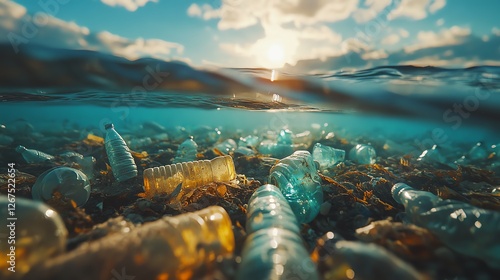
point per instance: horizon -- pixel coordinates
(298, 37)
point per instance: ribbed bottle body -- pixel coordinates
(170, 248)
(297, 178)
(121, 161)
(164, 179)
(33, 156)
(273, 248)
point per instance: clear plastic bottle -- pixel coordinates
(228, 146)
(267, 207)
(327, 156)
(169, 248)
(70, 182)
(297, 178)
(273, 248)
(187, 151)
(33, 156)
(164, 179)
(432, 155)
(465, 228)
(39, 233)
(363, 154)
(121, 161)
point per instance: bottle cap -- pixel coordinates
(108, 126)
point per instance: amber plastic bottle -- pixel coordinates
(164, 179)
(170, 248)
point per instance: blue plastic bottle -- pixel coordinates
(297, 178)
(465, 228)
(273, 248)
(121, 161)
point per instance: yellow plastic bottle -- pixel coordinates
(164, 179)
(170, 248)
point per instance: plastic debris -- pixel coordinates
(228, 146)
(297, 178)
(267, 207)
(327, 156)
(121, 161)
(33, 156)
(273, 249)
(191, 174)
(363, 154)
(71, 183)
(206, 135)
(250, 140)
(432, 155)
(169, 248)
(187, 151)
(269, 147)
(464, 228)
(358, 260)
(39, 233)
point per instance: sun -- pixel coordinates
(276, 55)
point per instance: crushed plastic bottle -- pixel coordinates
(169, 248)
(267, 207)
(39, 232)
(165, 179)
(249, 141)
(297, 178)
(71, 183)
(228, 146)
(432, 155)
(121, 161)
(465, 228)
(363, 154)
(33, 156)
(358, 260)
(273, 248)
(244, 151)
(327, 156)
(187, 151)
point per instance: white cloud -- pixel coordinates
(194, 10)
(427, 39)
(414, 9)
(404, 33)
(131, 5)
(374, 7)
(440, 22)
(390, 40)
(376, 54)
(321, 33)
(495, 31)
(58, 33)
(206, 11)
(437, 5)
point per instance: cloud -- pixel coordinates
(404, 33)
(457, 47)
(390, 40)
(416, 9)
(452, 36)
(374, 7)
(437, 5)
(440, 22)
(206, 11)
(20, 28)
(131, 5)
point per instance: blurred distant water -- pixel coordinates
(46, 86)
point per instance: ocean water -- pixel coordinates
(55, 89)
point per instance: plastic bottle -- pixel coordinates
(39, 233)
(267, 207)
(285, 137)
(121, 161)
(228, 146)
(273, 248)
(363, 154)
(169, 248)
(249, 140)
(187, 151)
(164, 179)
(33, 156)
(465, 228)
(297, 178)
(327, 156)
(70, 182)
(432, 155)
(269, 147)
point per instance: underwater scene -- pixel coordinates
(242, 140)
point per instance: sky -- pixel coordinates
(295, 35)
